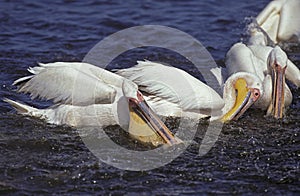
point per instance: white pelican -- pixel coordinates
(272, 66)
(281, 20)
(86, 95)
(173, 92)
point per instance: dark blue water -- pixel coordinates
(254, 155)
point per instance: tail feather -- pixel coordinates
(21, 108)
(22, 80)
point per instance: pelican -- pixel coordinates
(281, 20)
(173, 92)
(272, 66)
(86, 95)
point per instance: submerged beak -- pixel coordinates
(278, 91)
(141, 113)
(244, 99)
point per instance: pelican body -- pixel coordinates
(281, 20)
(272, 66)
(86, 95)
(173, 92)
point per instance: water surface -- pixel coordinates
(254, 155)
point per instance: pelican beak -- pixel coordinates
(250, 98)
(278, 90)
(244, 99)
(147, 125)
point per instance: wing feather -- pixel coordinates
(64, 83)
(172, 84)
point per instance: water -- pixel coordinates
(254, 155)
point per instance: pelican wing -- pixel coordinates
(269, 18)
(240, 59)
(89, 69)
(281, 19)
(252, 59)
(167, 83)
(289, 24)
(68, 83)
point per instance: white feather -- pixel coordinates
(281, 20)
(70, 83)
(254, 59)
(169, 84)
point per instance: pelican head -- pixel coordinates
(277, 63)
(144, 124)
(258, 36)
(241, 90)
